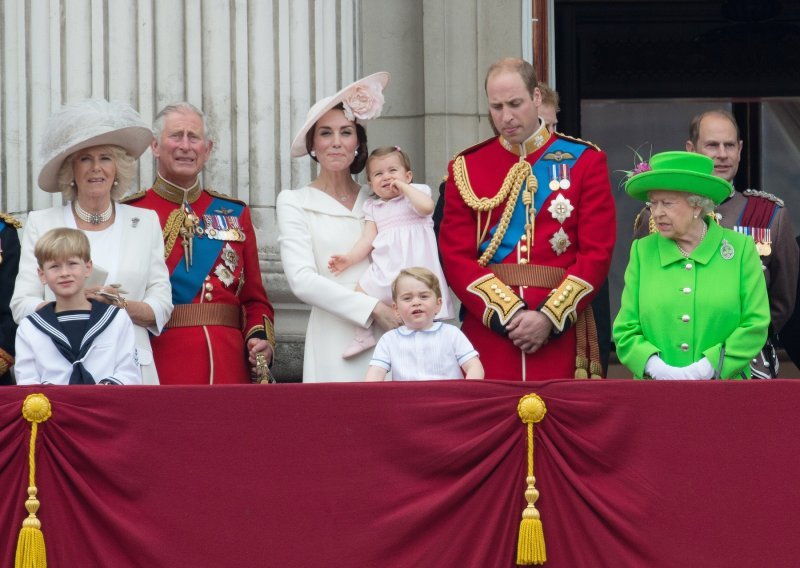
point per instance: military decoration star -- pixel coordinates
(230, 257)
(560, 208)
(225, 275)
(560, 242)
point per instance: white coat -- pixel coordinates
(141, 271)
(312, 226)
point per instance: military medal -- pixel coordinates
(554, 185)
(230, 257)
(225, 275)
(763, 241)
(564, 182)
(726, 250)
(560, 242)
(560, 208)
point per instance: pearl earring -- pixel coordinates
(313, 154)
(356, 152)
(72, 183)
(116, 182)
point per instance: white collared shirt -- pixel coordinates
(429, 354)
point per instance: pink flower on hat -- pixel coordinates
(364, 101)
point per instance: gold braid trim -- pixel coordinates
(510, 189)
(171, 230)
(14, 222)
(562, 304)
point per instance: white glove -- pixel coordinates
(659, 370)
(702, 370)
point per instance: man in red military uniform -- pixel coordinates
(526, 237)
(222, 318)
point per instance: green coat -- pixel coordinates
(687, 309)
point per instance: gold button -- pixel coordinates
(524, 238)
(569, 287)
(493, 286)
(523, 261)
(209, 286)
(523, 248)
(506, 299)
(562, 297)
(556, 303)
(208, 296)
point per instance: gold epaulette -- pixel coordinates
(133, 197)
(562, 304)
(498, 298)
(580, 141)
(763, 194)
(224, 196)
(13, 221)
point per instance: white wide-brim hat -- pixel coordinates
(93, 122)
(363, 100)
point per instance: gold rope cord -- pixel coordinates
(171, 229)
(510, 189)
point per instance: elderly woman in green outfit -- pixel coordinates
(695, 300)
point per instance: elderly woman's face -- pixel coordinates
(335, 141)
(94, 170)
(672, 213)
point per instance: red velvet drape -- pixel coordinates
(631, 474)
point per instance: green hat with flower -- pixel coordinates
(678, 171)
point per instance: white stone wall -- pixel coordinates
(254, 66)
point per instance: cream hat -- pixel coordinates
(362, 100)
(93, 122)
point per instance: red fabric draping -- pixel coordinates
(408, 474)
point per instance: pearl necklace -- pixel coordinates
(93, 218)
(702, 236)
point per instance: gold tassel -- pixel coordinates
(530, 547)
(31, 551)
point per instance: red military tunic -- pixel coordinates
(555, 265)
(220, 302)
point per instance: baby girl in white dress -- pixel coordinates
(398, 233)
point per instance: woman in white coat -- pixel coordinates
(89, 151)
(325, 218)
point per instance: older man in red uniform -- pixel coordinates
(222, 318)
(526, 238)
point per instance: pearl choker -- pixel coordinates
(93, 218)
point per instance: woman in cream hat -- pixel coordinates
(89, 151)
(324, 218)
(695, 300)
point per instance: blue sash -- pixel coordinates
(186, 285)
(541, 169)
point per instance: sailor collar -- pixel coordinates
(175, 193)
(536, 141)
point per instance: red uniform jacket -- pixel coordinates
(554, 266)
(208, 346)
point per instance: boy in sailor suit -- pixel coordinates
(73, 340)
